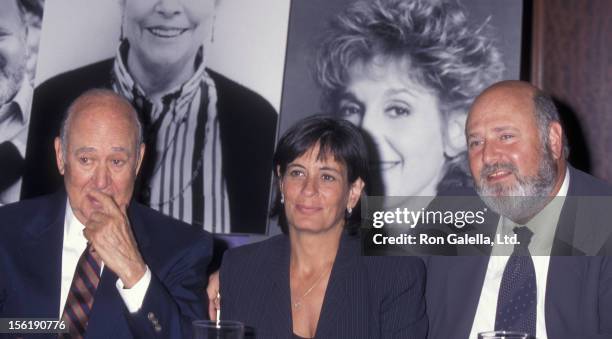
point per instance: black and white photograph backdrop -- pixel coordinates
(249, 40)
(20, 22)
(212, 79)
(205, 77)
(406, 71)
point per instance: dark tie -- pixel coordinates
(11, 165)
(516, 303)
(81, 296)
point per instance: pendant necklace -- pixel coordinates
(298, 304)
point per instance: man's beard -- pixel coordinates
(10, 80)
(521, 201)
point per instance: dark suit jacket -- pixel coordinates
(247, 125)
(578, 290)
(367, 297)
(31, 236)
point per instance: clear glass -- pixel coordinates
(504, 335)
(225, 329)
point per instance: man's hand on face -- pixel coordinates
(110, 234)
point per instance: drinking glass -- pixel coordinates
(504, 335)
(224, 329)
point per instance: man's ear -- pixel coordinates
(141, 152)
(355, 192)
(59, 155)
(455, 134)
(555, 139)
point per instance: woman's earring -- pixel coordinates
(349, 212)
(282, 198)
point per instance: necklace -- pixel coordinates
(298, 304)
(194, 175)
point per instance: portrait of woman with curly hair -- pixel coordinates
(406, 72)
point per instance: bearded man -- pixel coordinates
(544, 285)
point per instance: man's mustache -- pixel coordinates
(492, 168)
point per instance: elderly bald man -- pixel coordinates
(557, 283)
(107, 266)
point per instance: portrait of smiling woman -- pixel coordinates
(197, 121)
(406, 71)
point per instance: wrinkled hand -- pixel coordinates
(214, 298)
(110, 234)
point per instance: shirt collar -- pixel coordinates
(72, 226)
(544, 224)
(125, 84)
(565, 186)
(23, 99)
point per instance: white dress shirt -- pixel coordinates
(15, 130)
(73, 246)
(543, 226)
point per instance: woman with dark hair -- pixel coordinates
(312, 281)
(406, 72)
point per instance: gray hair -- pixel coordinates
(86, 98)
(546, 113)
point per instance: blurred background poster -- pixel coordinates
(20, 23)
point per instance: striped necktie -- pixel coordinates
(81, 295)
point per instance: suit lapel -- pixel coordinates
(564, 234)
(488, 229)
(335, 301)
(42, 251)
(139, 228)
(592, 220)
(579, 231)
(279, 312)
(463, 287)
(563, 294)
(108, 309)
